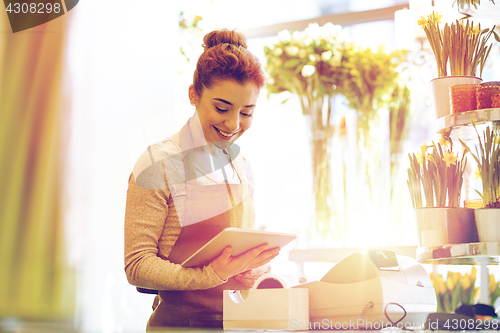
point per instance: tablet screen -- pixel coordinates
(241, 240)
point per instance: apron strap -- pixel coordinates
(235, 164)
(186, 140)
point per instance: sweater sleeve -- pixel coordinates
(146, 219)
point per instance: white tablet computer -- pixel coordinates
(241, 241)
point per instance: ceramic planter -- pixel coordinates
(440, 88)
(445, 225)
(488, 224)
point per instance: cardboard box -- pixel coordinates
(270, 309)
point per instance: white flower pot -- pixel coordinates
(445, 225)
(488, 224)
(440, 88)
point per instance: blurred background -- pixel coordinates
(81, 97)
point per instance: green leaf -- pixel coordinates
(291, 63)
(456, 295)
(497, 38)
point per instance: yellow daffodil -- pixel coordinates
(437, 18)
(444, 140)
(449, 158)
(473, 273)
(420, 157)
(354, 72)
(441, 285)
(478, 174)
(475, 30)
(423, 22)
(477, 293)
(450, 283)
(424, 148)
(466, 283)
(436, 282)
(493, 284)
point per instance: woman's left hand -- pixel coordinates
(248, 278)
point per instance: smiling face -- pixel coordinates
(225, 110)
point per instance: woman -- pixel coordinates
(187, 188)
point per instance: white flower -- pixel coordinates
(278, 51)
(284, 36)
(297, 35)
(312, 57)
(332, 29)
(313, 30)
(344, 35)
(307, 70)
(336, 59)
(292, 50)
(327, 55)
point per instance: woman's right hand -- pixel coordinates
(226, 266)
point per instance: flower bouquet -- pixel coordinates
(310, 65)
(316, 65)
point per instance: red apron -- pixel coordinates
(202, 308)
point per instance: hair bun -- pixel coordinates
(223, 36)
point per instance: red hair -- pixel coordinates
(226, 58)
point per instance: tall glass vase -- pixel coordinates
(319, 117)
(367, 179)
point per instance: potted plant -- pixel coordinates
(435, 181)
(487, 157)
(461, 47)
